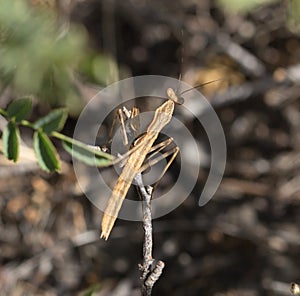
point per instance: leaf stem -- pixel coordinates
(27, 124)
(85, 146)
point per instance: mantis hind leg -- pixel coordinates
(156, 149)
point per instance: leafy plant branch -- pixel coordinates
(45, 128)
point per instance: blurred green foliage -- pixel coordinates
(243, 6)
(35, 56)
(294, 15)
(40, 57)
(100, 68)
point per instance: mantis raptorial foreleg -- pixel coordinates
(128, 115)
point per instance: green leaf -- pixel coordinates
(20, 109)
(45, 152)
(10, 140)
(87, 154)
(54, 121)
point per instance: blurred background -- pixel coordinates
(246, 240)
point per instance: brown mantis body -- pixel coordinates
(143, 146)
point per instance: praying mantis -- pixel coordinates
(142, 146)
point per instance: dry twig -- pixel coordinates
(151, 269)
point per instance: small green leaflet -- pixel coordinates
(86, 154)
(45, 152)
(20, 109)
(10, 140)
(54, 121)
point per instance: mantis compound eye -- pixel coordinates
(172, 96)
